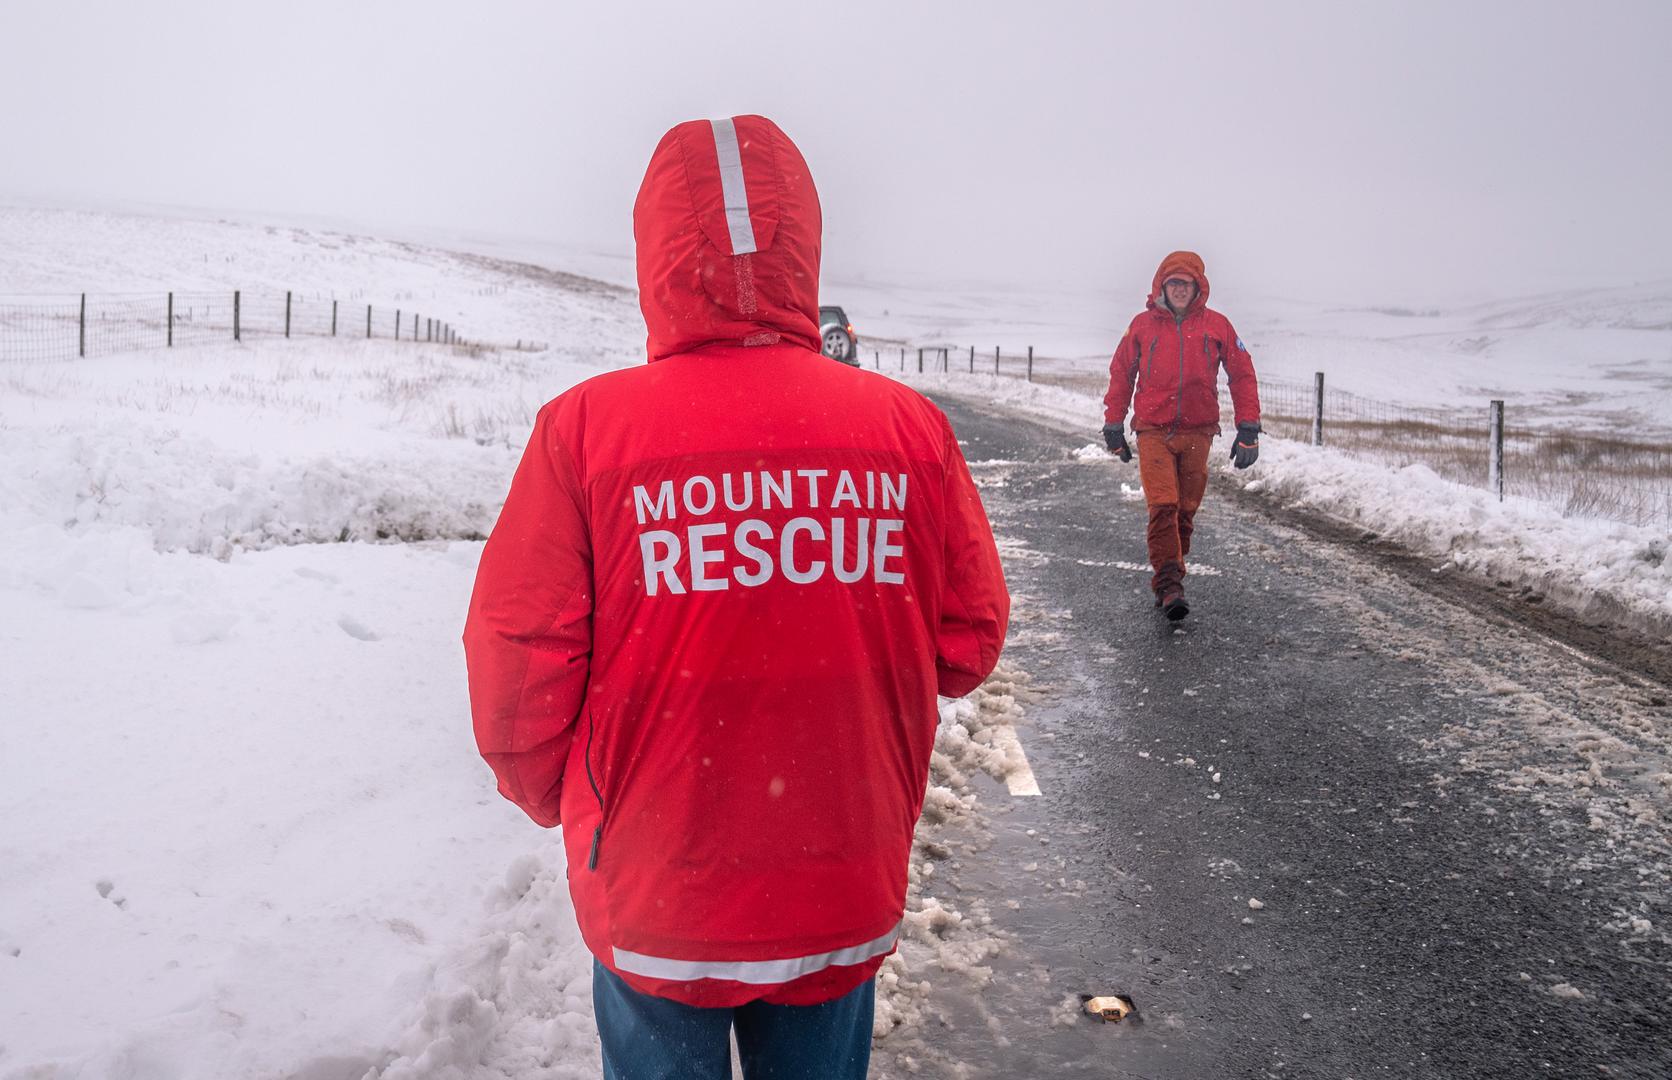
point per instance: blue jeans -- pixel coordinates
(651, 1038)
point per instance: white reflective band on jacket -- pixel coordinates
(731, 186)
(752, 972)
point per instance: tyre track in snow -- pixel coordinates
(1454, 826)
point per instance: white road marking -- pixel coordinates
(1199, 569)
(1020, 781)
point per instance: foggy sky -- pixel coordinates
(1352, 151)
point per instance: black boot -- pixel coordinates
(1169, 591)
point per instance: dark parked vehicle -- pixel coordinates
(840, 342)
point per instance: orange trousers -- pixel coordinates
(1174, 471)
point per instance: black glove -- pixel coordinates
(1246, 449)
(1114, 437)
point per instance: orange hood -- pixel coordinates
(727, 228)
(1180, 264)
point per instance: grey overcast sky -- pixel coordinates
(1355, 151)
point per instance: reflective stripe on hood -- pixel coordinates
(732, 187)
(727, 228)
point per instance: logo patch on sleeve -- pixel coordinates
(1241, 346)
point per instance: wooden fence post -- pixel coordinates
(920, 359)
(81, 349)
(972, 359)
(1030, 363)
(287, 313)
(333, 318)
(368, 322)
(237, 315)
(171, 320)
(995, 359)
(1317, 408)
(1495, 464)
(414, 326)
(397, 324)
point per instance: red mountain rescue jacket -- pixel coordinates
(710, 625)
(1175, 361)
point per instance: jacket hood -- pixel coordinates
(1180, 264)
(727, 227)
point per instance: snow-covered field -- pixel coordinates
(247, 833)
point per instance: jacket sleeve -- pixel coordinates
(1239, 372)
(975, 603)
(1123, 372)
(528, 636)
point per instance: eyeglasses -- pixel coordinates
(1179, 283)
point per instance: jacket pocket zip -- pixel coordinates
(598, 833)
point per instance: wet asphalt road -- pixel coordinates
(1449, 819)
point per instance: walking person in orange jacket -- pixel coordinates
(1172, 354)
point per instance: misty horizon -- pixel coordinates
(1413, 155)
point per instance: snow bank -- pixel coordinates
(1596, 569)
(212, 450)
(190, 494)
(939, 940)
(516, 1002)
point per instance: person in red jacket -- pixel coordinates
(1172, 352)
(709, 629)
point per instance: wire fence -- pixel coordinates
(1579, 474)
(93, 325)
